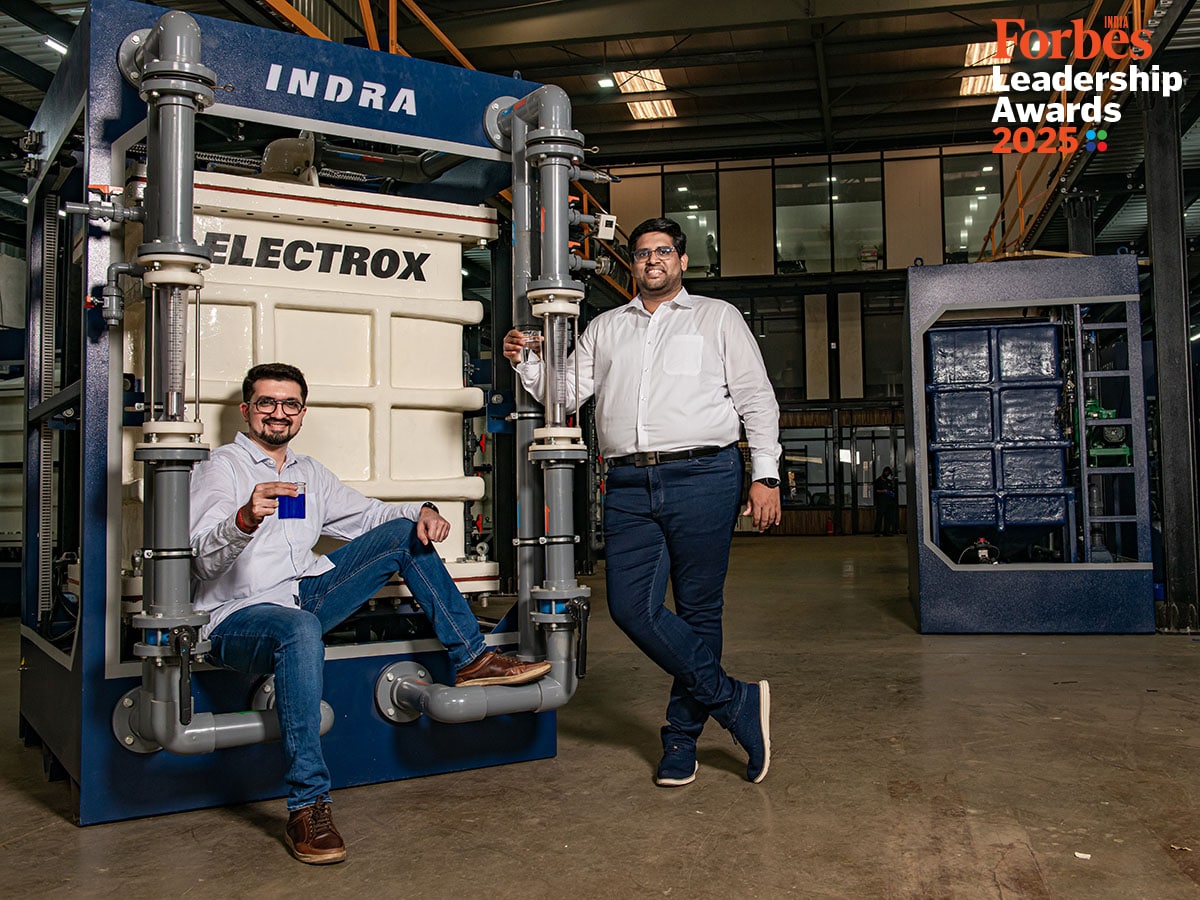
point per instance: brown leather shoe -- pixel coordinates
(491, 667)
(312, 837)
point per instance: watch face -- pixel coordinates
(768, 482)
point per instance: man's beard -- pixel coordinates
(277, 438)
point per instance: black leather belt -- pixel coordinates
(654, 457)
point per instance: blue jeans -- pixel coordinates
(676, 520)
(287, 640)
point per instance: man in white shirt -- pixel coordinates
(270, 598)
(675, 376)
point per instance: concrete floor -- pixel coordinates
(904, 766)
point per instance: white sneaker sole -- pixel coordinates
(677, 782)
(764, 721)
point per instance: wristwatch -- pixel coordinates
(771, 483)
(428, 505)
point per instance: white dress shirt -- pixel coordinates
(686, 376)
(232, 569)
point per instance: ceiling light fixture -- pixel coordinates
(606, 82)
(641, 82)
(55, 46)
(983, 53)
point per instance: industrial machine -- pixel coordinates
(163, 264)
(1028, 461)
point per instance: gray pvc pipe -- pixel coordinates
(157, 720)
(456, 705)
(529, 486)
(172, 595)
(175, 38)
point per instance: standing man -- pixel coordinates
(675, 376)
(886, 508)
(270, 598)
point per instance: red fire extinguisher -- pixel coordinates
(829, 526)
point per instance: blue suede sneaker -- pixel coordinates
(752, 730)
(678, 765)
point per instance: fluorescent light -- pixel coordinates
(834, 197)
(682, 189)
(983, 53)
(979, 188)
(652, 109)
(644, 81)
(989, 168)
(1195, 337)
(974, 85)
(55, 46)
(640, 82)
(606, 82)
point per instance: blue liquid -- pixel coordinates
(291, 507)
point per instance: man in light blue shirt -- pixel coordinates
(270, 598)
(676, 378)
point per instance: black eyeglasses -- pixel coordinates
(267, 405)
(661, 252)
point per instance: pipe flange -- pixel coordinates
(550, 432)
(122, 725)
(165, 85)
(174, 268)
(128, 53)
(551, 453)
(388, 678)
(493, 119)
(264, 695)
(551, 293)
(163, 427)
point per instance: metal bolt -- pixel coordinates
(390, 711)
(129, 740)
(127, 702)
(421, 673)
(135, 38)
(266, 689)
(390, 676)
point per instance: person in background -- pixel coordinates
(886, 509)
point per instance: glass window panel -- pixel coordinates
(781, 338)
(971, 189)
(883, 356)
(806, 469)
(856, 191)
(802, 219)
(690, 198)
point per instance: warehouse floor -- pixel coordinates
(904, 766)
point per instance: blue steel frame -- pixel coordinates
(67, 698)
(1080, 597)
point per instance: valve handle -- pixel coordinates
(580, 609)
(183, 640)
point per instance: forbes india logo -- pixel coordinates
(1061, 110)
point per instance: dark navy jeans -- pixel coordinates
(287, 640)
(675, 520)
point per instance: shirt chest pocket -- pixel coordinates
(682, 354)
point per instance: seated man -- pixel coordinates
(271, 598)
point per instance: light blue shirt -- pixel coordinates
(232, 569)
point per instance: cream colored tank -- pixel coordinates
(364, 294)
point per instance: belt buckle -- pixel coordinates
(650, 458)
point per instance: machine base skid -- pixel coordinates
(110, 783)
(1003, 600)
